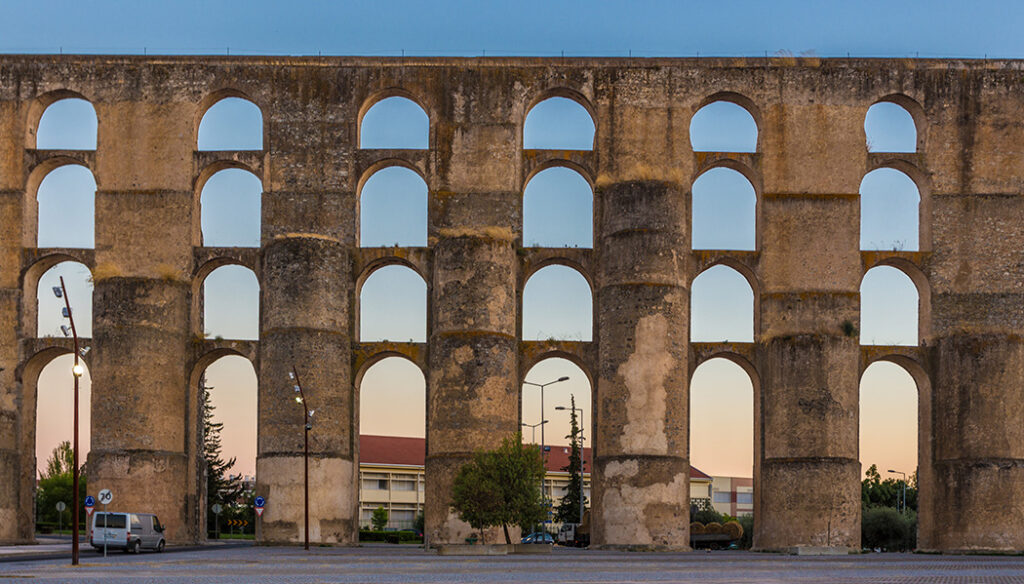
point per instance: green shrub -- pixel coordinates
(887, 529)
(392, 537)
(706, 516)
(370, 535)
(747, 523)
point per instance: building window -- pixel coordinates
(404, 484)
(745, 498)
(723, 497)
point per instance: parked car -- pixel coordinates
(539, 537)
(130, 532)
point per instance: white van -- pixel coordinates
(130, 532)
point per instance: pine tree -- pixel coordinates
(221, 488)
(568, 510)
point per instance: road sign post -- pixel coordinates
(216, 508)
(105, 497)
(258, 504)
(60, 515)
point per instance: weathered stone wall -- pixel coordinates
(806, 274)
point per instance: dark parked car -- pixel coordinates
(539, 537)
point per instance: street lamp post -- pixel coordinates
(580, 410)
(904, 488)
(533, 427)
(544, 495)
(76, 373)
(301, 398)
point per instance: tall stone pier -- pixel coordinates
(472, 391)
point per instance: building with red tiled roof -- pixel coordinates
(391, 476)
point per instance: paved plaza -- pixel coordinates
(408, 564)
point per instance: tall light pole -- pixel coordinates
(580, 410)
(76, 373)
(533, 427)
(542, 386)
(543, 494)
(904, 488)
(301, 398)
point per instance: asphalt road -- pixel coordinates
(413, 565)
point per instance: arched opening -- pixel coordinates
(721, 440)
(723, 126)
(233, 123)
(889, 211)
(231, 304)
(721, 307)
(392, 445)
(724, 211)
(67, 216)
(393, 306)
(49, 315)
(889, 127)
(228, 392)
(230, 209)
(889, 456)
(68, 124)
(393, 209)
(557, 305)
(395, 122)
(54, 413)
(558, 123)
(558, 210)
(545, 418)
(888, 308)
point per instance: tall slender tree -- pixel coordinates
(221, 488)
(568, 510)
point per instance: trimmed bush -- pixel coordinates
(392, 537)
(713, 527)
(887, 529)
(696, 528)
(747, 523)
(706, 516)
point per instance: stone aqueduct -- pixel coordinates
(805, 272)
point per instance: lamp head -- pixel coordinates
(291, 375)
(58, 292)
(561, 408)
(298, 399)
(77, 370)
(564, 378)
(64, 329)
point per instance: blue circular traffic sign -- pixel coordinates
(260, 501)
(89, 501)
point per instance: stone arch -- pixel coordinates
(737, 99)
(919, 283)
(754, 182)
(531, 219)
(563, 93)
(199, 280)
(211, 100)
(205, 175)
(747, 276)
(924, 192)
(372, 216)
(393, 93)
(29, 285)
(556, 394)
(37, 108)
(529, 331)
(916, 112)
(870, 320)
(37, 176)
(923, 386)
(366, 277)
(29, 374)
(924, 291)
(198, 374)
(746, 495)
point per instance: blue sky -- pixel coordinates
(522, 28)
